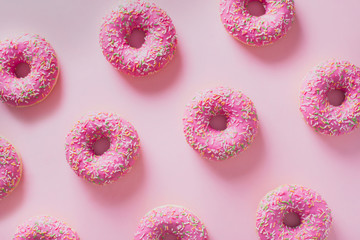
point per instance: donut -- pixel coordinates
(312, 210)
(113, 163)
(160, 38)
(45, 227)
(314, 105)
(38, 54)
(257, 31)
(10, 168)
(171, 221)
(242, 123)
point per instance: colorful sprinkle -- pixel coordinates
(175, 221)
(314, 105)
(37, 85)
(45, 228)
(313, 211)
(257, 31)
(116, 161)
(160, 38)
(242, 123)
(10, 168)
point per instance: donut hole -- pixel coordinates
(336, 97)
(169, 236)
(22, 69)
(101, 146)
(218, 122)
(292, 219)
(255, 8)
(136, 38)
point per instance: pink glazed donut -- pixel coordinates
(171, 221)
(46, 228)
(253, 30)
(113, 163)
(10, 168)
(36, 52)
(242, 123)
(313, 211)
(314, 105)
(160, 38)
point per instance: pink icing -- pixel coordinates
(314, 105)
(242, 123)
(36, 86)
(160, 38)
(116, 161)
(313, 211)
(45, 227)
(10, 168)
(253, 30)
(175, 221)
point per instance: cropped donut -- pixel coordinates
(257, 31)
(10, 168)
(113, 163)
(312, 210)
(314, 105)
(171, 221)
(242, 123)
(160, 38)
(36, 52)
(45, 227)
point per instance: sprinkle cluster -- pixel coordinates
(314, 105)
(171, 220)
(10, 168)
(314, 213)
(253, 30)
(45, 228)
(40, 56)
(160, 40)
(116, 161)
(242, 123)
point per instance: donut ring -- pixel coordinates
(160, 38)
(116, 161)
(242, 123)
(257, 31)
(313, 211)
(314, 105)
(171, 220)
(37, 85)
(45, 227)
(10, 168)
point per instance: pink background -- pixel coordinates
(225, 194)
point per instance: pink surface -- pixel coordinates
(225, 195)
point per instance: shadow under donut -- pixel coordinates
(347, 144)
(126, 186)
(243, 163)
(14, 199)
(42, 109)
(157, 81)
(332, 235)
(281, 49)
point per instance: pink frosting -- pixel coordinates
(314, 214)
(10, 168)
(314, 105)
(253, 30)
(40, 56)
(175, 221)
(116, 161)
(242, 123)
(45, 227)
(160, 38)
